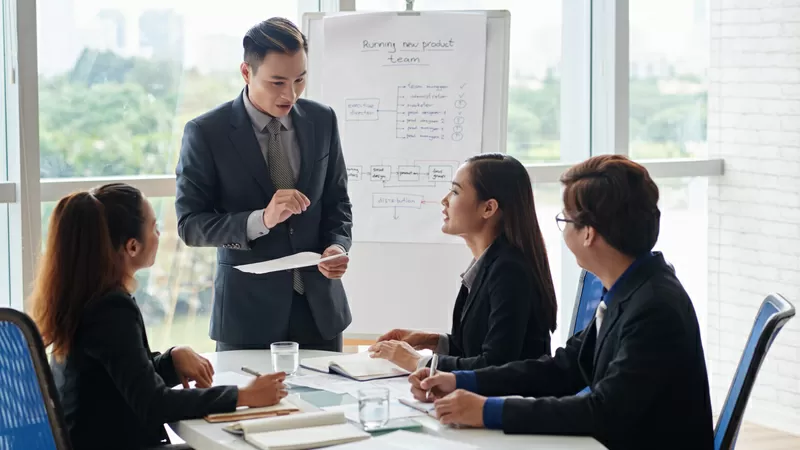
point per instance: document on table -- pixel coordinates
(225, 379)
(302, 259)
(406, 440)
(398, 387)
(397, 410)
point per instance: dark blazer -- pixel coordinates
(499, 320)
(646, 370)
(115, 392)
(221, 178)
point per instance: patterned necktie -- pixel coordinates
(280, 170)
(599, 314)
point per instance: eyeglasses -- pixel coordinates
(561, 221)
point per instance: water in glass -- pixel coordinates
(373, 407)
(285, 357)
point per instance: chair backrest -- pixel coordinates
(590, 289)
(775, 311)
(30, 410)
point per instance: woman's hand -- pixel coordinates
(265, 390)
(190, 366)
(418, 340)
(398, 352)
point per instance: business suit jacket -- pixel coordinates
(500, 318)
(646, 369)
(115, 392)
(222, 177)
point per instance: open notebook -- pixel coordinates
(298, 432)
(358, 366)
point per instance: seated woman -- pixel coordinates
(506, 307)
(115, 392)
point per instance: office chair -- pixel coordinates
(775, 311)
(30, 409)
(590, 289)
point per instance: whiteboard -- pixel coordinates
(392, 285)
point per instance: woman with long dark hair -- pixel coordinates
(506, 308)
(115, 392)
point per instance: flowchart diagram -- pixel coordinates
(420, 111)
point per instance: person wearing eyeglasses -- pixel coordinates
(506, 306)
(641, 357)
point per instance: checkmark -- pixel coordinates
(461, 95)
(462, 86)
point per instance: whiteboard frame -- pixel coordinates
(495, 95)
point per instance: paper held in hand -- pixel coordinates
(296, 261)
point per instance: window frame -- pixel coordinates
(595, 49)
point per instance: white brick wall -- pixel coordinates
(754, 210)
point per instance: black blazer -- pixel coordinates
(646, 369)
(499, 320)
(221, 178)
(115, 392)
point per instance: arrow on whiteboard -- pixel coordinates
(395, 214)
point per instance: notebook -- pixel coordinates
(298, 432)
(358, 366)
(284, 407)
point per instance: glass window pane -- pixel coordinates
(534, 110)
(669, 60)
(175, 294)
(118, 80)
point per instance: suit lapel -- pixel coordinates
(492, 253)
(244, 141)
(629, 285)
(304, 132)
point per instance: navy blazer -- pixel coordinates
(500, 319)
(646, 368)
(222, 177)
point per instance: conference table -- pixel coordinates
(202, 435)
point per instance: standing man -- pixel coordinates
(262, 177)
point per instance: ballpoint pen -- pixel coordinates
(434, 362)
(250, 371)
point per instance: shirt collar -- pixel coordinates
(608, 293)
(469, 275)
(260, 119)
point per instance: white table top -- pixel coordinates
(206, 436)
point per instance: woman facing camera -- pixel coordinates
(115, 392)
(506, 307)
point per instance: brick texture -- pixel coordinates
(754, 210)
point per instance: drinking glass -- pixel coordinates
(285, 357)
(373, 407)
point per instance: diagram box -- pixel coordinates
(385, 200)
(361, 109)
(440, 173)
(380, 173)
(354, 173)
(408, 173)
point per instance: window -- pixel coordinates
(534, 100)
(669, 60)
(118, 79)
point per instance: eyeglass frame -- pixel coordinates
(560, 218)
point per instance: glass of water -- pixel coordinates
(285, 357)
(373, 407)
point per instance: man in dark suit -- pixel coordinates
(263, 177)
(641, 357)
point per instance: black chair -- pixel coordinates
(30, 409)
(775, 311)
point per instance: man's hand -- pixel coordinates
(460, 408)
(439, 385)
(398, 352)
(419, 340)
(192, 367)
(284, 203)
(336, 267)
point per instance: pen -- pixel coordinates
(434, 362)
(250, 371)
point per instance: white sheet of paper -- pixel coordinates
(397, 410)
(302, 259)
(406, 440)
(226, 379)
